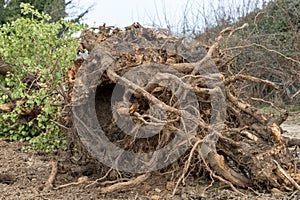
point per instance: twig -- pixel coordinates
(99, 179)
(33, 82)
(208, 56)
(268, 102)
(261, 46)
(186, 166)
(114, 181)
(258, 17)
(182, 67)
(59, 124)
(249, 78)
(294, 95)
(235, 30)
(287, 175)
(115, 77)
(141, 117)
(124, 185)
(80, 180)
(53, 173)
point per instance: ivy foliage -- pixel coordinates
(40, 53)
(281, 16)
(271, 36)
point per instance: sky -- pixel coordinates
(125, 12)
(159, 13)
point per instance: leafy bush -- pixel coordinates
(39, 52)
(277, 28)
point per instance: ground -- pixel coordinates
(22, 176)
(292, 126)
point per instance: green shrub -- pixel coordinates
(269, 48)
(40, 53)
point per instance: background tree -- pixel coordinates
(10, 9)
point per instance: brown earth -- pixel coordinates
(23, 175)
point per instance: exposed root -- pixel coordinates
(240, 153)
(50, 181)
(124, 185)
(99, 179)
(295, 184)
(187, 165)
(220, 178)
(80, 180)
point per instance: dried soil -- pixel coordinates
(23, 174)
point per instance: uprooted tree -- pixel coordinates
(141, 81)
(144, 100)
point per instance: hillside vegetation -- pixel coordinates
(269, 48)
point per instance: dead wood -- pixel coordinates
(79, 181)
(237, 147)
(287, 176)
(49, 183)
(125, 185)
